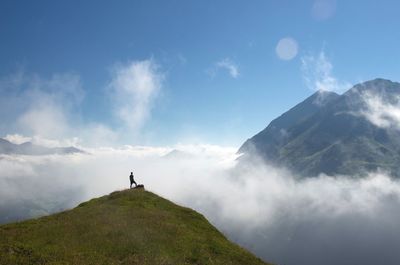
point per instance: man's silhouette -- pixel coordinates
(132, 180)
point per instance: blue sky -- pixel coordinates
(215, 72)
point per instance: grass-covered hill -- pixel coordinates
(125, 227)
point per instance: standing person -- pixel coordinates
(132, 180)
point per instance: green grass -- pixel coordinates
(126, 227)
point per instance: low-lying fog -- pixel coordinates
(324, 220)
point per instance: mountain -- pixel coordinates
(178, 154)
(29, 148)
(125, 227)
(330, 133)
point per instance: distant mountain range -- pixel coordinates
(178, 154)
(29, 148)
(329, 133)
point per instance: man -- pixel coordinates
(132, 180)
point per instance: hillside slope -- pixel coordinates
(126, 227)
(333, 138)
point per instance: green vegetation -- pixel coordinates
(126, 227)
(334, 137)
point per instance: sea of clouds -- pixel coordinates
(283, 219)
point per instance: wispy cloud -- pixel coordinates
(230, 66)
(134, 87)
(33, 105)
(380, 112)
(226, 64)
(317, 72)
(17, 138)
(46, 109)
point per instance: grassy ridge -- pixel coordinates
(127, 227)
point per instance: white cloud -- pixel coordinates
(317, 73)
(229, 65)
(17, 138)
(264, 208)
(37, 106)
(286, 49)
(135, 85)
(97, 135)
(381, 112)
(48, 109)
(47, 120)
